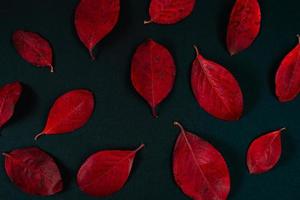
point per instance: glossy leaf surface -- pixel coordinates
(33, 171)
(199, 169)
(106, 172)
(153, 73)
(33, 48)
(243, 26)
(215, 89)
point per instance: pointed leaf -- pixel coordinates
(106, 172)
(288, 76)
(33, 48)
(216, 90)
(264, 152)
(33, 171)
(199, 169)
(9, 96)
(69, 112)
(153, 73)
(244, 25)
(94, 19)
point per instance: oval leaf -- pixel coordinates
(33, 171)
(69, 112)
(106, 172)
(169, 12)
(288, 76)
(216, 90)
(153, 73)
(199, 169)
(244, 25)
(33, 48)
(94, 19)
(264, 152)
(9, 96)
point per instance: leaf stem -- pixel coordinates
(148, 21)
(51, 68)
(283, 129)
(91, 54)
(154, 112)
(38, 135)
(177, 124)
(140, 147)
(298, 36)
(6, 155)
(197, 50)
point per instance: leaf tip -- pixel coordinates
(38, 135)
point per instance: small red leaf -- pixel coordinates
(216, 90)
(244, 25)
(69, 112)
(288, 76)
(153, 73)
(264, 152)
(94, 19)
(199, 169)
(33, 171)
(33, 48)
(9, 96)
(106, 172)
(169, 11)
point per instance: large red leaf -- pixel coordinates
(199, 169)
(33, 48)
(33, 171)
(69, 112)
(215, 89)
(94, 19)
(288, 76)
(264, 152)
(169, 11)
(153, 73)
(106, 172)
(244, 25)
(9, 96)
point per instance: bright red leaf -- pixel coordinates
(94, 19)
(106, 172)
(69, 112)
(9, 96)
(215, 89)
(244, 25)
(199, 169)
(288, 76)
(169, 11)
(153, 73)
(264, 152)
(33, 48)
(33, 171)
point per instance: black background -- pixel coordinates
(122, 119)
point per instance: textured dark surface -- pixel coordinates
(122, 119)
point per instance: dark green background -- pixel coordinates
(122, 119)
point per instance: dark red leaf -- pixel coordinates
(94, 19)
(9, 96)
(69, 112)
(244, 25)
(33, 171)
(199, 169)
(169, 11)
(33, 48)
(264, 152)
(153, 73)
(216, 90)
(106, 172)
(288, 76)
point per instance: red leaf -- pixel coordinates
(9, 96)
(199, 169)
(244, 25)
(288, 76)
(264, 152)
(106, 172)
(69, 112)
(215, 89)
(94, 19)
(153, 73)
(169, 11)
(33, 48)
(33, 171)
